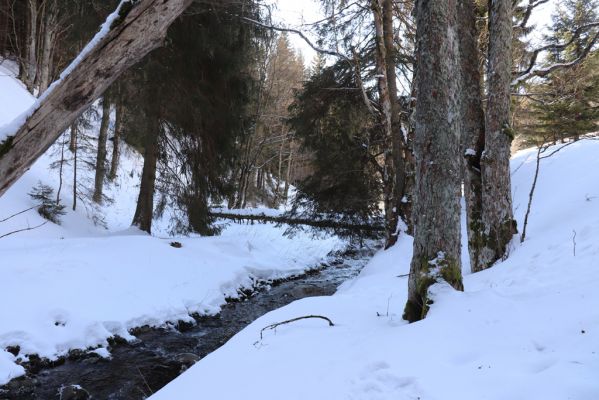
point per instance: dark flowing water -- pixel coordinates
(138, 369)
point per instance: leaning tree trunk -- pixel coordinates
(140, 27)
(473, 125)
(436, 212)
(497, 216)
(101, 155)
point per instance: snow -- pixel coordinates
(74, 285)
(9, 127)
(528, 328)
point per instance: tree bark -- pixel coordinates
(101, 154)
(74, 134)
(144, 211)
(50, 32)
(140, 28)
(116, 141)
(498, 221)
(386, 118)
(436, 214)
(473, 125)
(31, 61)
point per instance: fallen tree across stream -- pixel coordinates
(282, 219)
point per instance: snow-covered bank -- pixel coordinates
(74, 285)
(75, 293)
(526, 329)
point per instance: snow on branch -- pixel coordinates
(542, 72)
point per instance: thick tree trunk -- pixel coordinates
(101, 155)
(116, 141)
(140, 28)
(145, 201)
(497, 217)
(436, 213)
(473, 125)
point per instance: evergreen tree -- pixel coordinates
(569, 105)
(345, 144)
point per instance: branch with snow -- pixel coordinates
(530, 71)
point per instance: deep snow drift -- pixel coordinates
(528, 328)
(74, 285)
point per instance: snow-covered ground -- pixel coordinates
(72, 286)
(528, 328)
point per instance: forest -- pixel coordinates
(327, 199)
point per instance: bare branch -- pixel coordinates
(24, 229)
(530, 72)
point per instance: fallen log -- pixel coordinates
(138, 27)
(282, 219)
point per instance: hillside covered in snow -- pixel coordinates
(528, 328)
(94, 277)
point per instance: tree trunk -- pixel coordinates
(145, 202)
(48, 42)
(289, 167)
(140, 28)
(386, 118)
(101, 155)
(116, 150)
(31, 60)
(436, 213)
(473, 125)
(74, 134)
(497, 216)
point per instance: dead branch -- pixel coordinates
(24, 229)
(18, 213)
(540, 151)
(275, 325)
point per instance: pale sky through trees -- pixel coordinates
(294, 13)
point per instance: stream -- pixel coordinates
(138, 369)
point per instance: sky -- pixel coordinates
(294, 13)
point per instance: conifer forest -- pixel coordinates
(309, 199)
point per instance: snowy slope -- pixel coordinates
(74, 285)
(526, 329)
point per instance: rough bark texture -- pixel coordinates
(139, 29)
(497, 216)
(101, 154)
(473, 126)
(144, 211)
(436, 215)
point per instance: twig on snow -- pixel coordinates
(275, 325)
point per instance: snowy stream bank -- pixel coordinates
(136, 369)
